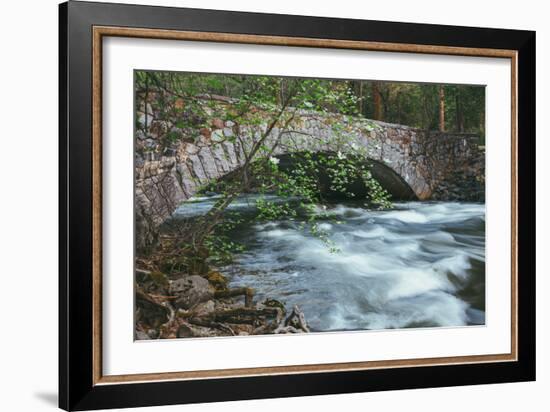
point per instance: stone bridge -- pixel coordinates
(410, 163)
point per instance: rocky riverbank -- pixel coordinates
(184, 306)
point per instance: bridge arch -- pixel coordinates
(388, 178)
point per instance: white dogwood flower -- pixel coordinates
(274, 160)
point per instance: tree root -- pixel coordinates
(214, 325)
(157, 316)
(152, 312)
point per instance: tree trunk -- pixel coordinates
(377, 100)
(441, 108)
(360, 105)
(398, 100)
(482, 127)
(459, 114)
(281, 94)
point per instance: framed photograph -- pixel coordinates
(257, 205)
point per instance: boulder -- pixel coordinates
(204, 308)
(185, 331)
(140, 335)
(190, 290)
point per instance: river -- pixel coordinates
(420, 264)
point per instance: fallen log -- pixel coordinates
(248, 294)
(297, 320)
(240, 315)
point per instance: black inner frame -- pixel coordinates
(76, 389)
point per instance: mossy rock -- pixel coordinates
(274, 303)
(160, 279)
(218, 280)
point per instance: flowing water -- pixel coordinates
(421, 264)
